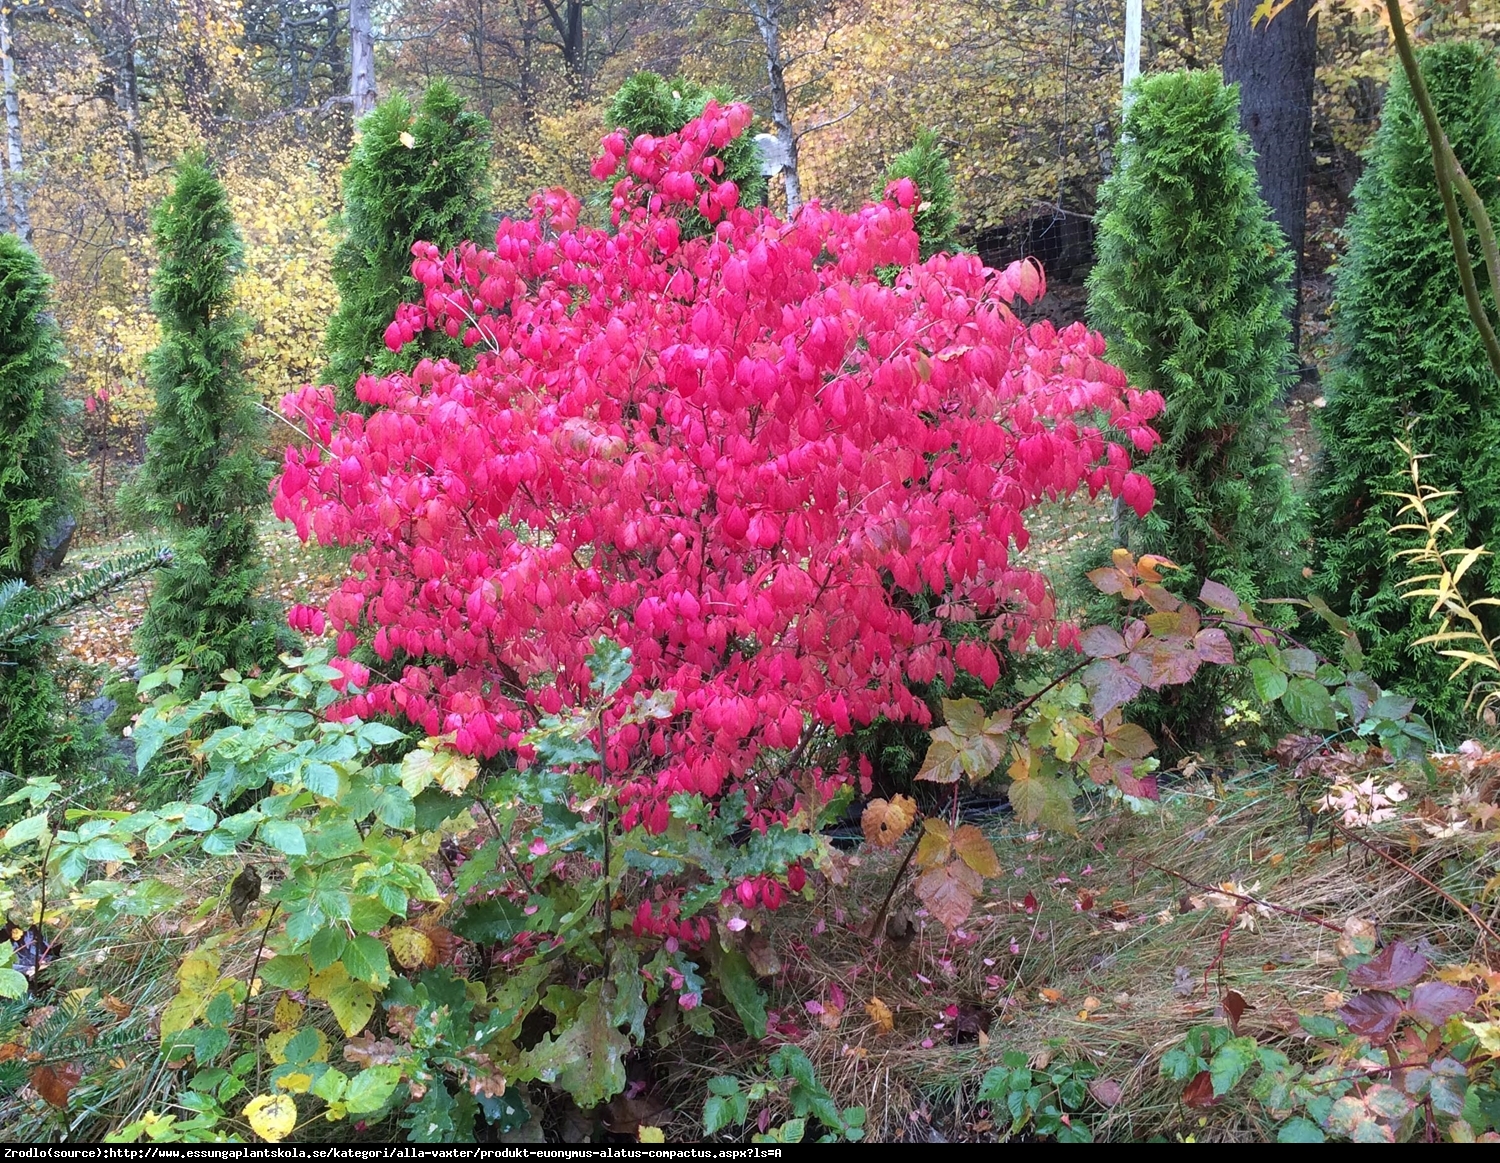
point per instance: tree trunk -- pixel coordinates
(127, 93)
(1274, 63)
(361, 58)
(20, 217)
(767, 14)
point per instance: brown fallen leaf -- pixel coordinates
(1106, 1091)
(880, 1015)
(1199, 1092)
(54, 1083)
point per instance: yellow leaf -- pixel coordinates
(276, 1045)
(652, 1135)
(408, 140)
(295, 1083)
(412, 948)
(288, 1013)
(885, 822)
(880, 1015)
(271, 1116)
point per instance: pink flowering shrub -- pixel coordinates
(742, 456)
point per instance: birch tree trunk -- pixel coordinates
(767, 15)
(20, 217)
(361, 58)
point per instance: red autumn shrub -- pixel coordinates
(741, 456)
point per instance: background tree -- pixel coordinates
(650, 104)
(1274, 63)
(204, 478)
(935, 216)
(1411, 367)
(1191, 291)
(414, 176)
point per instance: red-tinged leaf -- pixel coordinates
(1213, 645)
(54, 1083)
(936, 843)
(1135, 632)
(885, 821)
(1110, 684)
(1102, 642)
(1199, 1092)
(1235, 1005)
(942, 764)
(1028, 902)
(975, 851)
(1141, 787)
(1107, 580)
(1106, 1091)
(1437, 1001)
(1397, 967)
(1160, 598)
(1172, 662)
(963, 716)
(1374, 1015)
(948, 891)
(1132, 741)
(1218, 596)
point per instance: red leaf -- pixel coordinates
(1143, 787)
(1235, 1005)
(1107, 1092)
(1199, 1093)
(1173, 661)
(53, 1084)
(1437, 1001)
(1373, 1015)
(1397, 967)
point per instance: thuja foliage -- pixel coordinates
(415, 175)
(203, 480)
(744, 454)
(36, 485)
(1411, 359)
(1191, 290)
(652, 105)
(936, 216)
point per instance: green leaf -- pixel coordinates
(477, 867)
(235, 701)
(738, 982)
(12, 984)
(609, 664)
(303, 1045)
(288, 971)
(365, 959)
(328, 946)
(586, 1057)
(1308, 702)
(1228, 1066)
(370, 1089)
(1269, 679)
(284, 836)
(25, 830)
(1300, 1130)
(492, 920)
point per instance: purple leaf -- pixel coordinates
(1102, 642)
(1373, 1015)
(1437, 1001)
(1110, 685)
(1397, 967)
(1213, 646)
(1218, 596)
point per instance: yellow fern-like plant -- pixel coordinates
(1461, 630)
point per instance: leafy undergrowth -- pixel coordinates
(1097, 960)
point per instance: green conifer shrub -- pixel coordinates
(648, 103)
(1411, 367)
(936, 216)
(204, 479)
(36, 488)
(1191, 290)
(36, 484)
(415, 176)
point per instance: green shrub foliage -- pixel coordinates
(435, 189)
(204, 480)
(36, 486)
(35, 490)
(651, 104)
(936, 218)
(1411, 367)
(1191, 290)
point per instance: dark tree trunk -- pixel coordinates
(1274, 62)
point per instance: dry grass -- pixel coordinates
(1124, 978)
